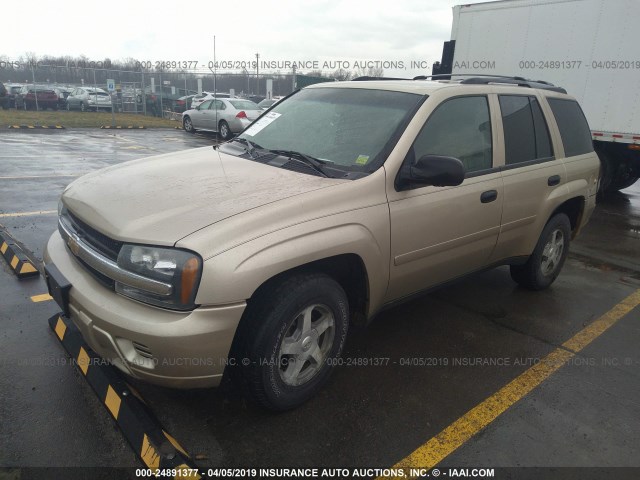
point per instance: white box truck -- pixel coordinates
(589, 47)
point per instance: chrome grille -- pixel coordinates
(103, 244)
(101, 265)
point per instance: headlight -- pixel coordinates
(179, 268)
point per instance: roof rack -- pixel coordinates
(475, 79)
(471, 79)
(367, 78)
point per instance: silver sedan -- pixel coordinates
(225, 116)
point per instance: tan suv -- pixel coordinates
(251, 258)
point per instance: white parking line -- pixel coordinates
(39, 176)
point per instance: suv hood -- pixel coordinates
(159, 200)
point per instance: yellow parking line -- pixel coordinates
(459, 432)
(26, 214)
(41, 298)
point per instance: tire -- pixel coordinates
(606, 174)
(626, 182)
(187, 124)
(224, 130)
(614, 176)
(282, 356)
(546, 261)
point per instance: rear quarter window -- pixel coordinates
(573, 126)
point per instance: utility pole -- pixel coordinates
(293, 80)
(257, 74)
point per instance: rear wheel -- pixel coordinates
(615, 173)
(546, 261)
(290, 340)
(225, 131)
(626, 182)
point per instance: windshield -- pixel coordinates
(244, 105)
(348, 127)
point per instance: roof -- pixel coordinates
(421, 87)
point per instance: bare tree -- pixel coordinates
(368, 72)
(341, 74)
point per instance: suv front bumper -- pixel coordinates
(164, 347)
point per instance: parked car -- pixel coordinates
(345, 198)
(3, 95)
(256, 98)
(183, 104)
(12, 91)
(32, 97)
(62, 93)
(201, 97)
(223, 115)
(88, 98)
(268, 102)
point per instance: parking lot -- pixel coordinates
(443, 396)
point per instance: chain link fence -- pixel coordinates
(145, 91)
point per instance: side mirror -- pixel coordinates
(435, 170)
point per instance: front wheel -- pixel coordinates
(225, 131)
(546, 261)
(187, 124)
(290, 340)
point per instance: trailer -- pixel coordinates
(589, 47)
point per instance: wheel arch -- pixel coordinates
(574, 209)
(347, 269)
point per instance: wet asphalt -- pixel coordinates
(586, 414)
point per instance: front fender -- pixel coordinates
(235, 274)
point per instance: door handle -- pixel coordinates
(553, 180)
(489, 196)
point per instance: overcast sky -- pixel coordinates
(312, 30)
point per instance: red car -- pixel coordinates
(47, 98)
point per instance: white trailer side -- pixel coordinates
(589, 47)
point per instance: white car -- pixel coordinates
(201, 97)
(225, 116)
(88, 98)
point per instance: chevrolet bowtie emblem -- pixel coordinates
(73, 245)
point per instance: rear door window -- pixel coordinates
(573, 126)
(526, 136)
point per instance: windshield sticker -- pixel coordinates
(260, 124)
(362, 159)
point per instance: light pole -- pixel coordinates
(257, 74)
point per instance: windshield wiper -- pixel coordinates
(315, 163)
(250, 147)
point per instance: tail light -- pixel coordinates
(241, 114)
